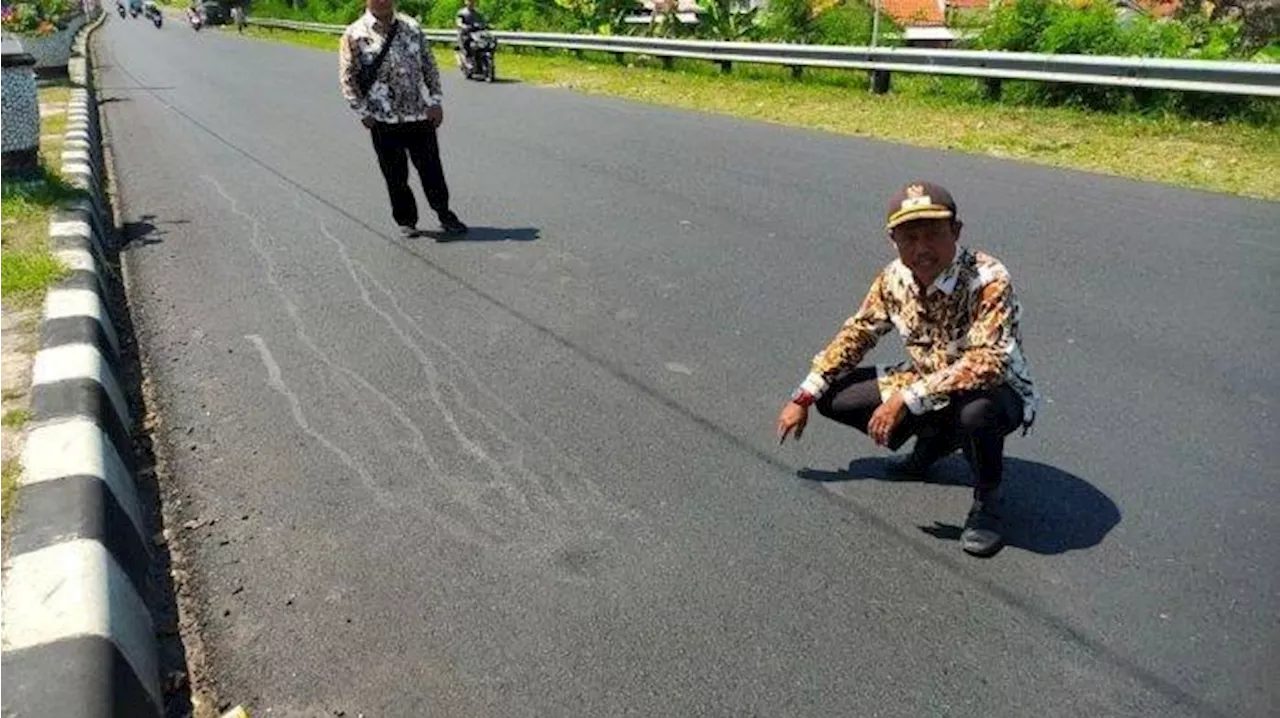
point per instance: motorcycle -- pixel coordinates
(135, 8)
(120, 9)
(152, 13)
(196, 18)
(479, 66)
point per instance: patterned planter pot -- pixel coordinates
(53, 51)
(20, 123)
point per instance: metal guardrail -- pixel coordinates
(1233, 78)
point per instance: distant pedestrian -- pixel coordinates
(390, 78)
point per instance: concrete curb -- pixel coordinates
(78, 635)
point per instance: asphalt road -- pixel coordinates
(534, 473)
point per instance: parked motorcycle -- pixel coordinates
(479, 66)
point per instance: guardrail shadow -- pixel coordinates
(1046, 510)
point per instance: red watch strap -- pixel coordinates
(802, 397)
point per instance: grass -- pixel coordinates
(15, 418)
(10, 470)
(26, 265)
(1236, 157)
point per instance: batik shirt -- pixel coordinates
(961, 334)
(408, 82)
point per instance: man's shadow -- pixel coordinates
(485, 234)
(1045, 510)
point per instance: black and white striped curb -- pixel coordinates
(78, 635)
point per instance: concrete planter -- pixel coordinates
(20, 125)
(53, 51)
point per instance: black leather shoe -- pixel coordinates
(981, 534)
(450, 223)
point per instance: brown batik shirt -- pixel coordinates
(961, 334)
(408, 82)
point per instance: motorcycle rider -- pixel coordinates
(469, 20)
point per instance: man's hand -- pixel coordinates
(793, 418)
(435, 115)
(886, 418)
(368, 122)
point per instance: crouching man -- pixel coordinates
(966, 385)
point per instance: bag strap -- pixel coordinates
(382, 54)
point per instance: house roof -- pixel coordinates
(914, 12)
(1160, 8)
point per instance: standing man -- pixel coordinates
(389, 77)
(967, 384)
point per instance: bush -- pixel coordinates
(37, 17)
(442, 13)
(1051, 26)
(788, 21)
(848, 23)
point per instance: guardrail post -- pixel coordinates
(797, 71)
(726, 66)
(879, 81)
(668, 62)
(991, 88)
(577, 54)
(619, 58)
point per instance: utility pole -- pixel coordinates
(875, 24)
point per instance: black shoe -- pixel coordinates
(408, 231)
(981, 535)
(450, 223)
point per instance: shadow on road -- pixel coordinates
(1046, 510)
(146, 230)
(135, 88)
(486, 234)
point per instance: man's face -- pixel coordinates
(381, 8)
(926, 246)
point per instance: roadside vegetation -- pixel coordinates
(1234, 152)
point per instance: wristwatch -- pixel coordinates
(802, 397)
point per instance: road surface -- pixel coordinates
(534, 472)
